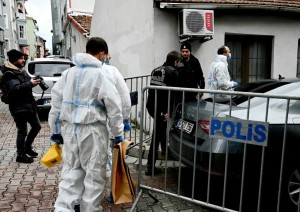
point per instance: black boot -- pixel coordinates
(31, 152)
(24, 159)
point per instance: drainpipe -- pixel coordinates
(64, 31)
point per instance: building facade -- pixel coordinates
(21, 26)
(71, 25)
(31, 25)
(41, 50)
(10, 33)
(2, 30)
(263, 35)
(76, 32)
(57, 10)
(17, 29)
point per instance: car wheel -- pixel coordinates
(290, 188)
(294, 185)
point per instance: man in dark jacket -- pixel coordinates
(190, 75)
(18, 85)
(165, 75)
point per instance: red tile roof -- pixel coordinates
(283, 3)
(81, 22)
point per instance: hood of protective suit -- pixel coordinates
(84, 59)
(221, 58)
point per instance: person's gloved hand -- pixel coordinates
(57, 138)
(234, 84)
(127, 126)
(119, 139)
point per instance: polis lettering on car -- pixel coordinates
(233, 129)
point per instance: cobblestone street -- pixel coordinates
(33, 187)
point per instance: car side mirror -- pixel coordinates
(31, 68)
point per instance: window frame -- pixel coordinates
(23, 31)
(251, 54)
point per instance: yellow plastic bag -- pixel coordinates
(52, 156)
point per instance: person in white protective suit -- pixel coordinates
(218, 75)
(83, 100)
(115, 76)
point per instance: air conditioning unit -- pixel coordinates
(195, 23)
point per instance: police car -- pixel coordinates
(223, 141)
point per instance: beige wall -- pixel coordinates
(140, 36)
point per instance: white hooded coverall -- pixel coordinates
(82, 101)
(116, 77)
(218, 75)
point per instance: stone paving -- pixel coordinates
(34, 188)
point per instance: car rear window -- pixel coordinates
(253, 85)
(48, 69)
(291, 89)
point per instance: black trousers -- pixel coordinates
(158, 137)
(25, 141)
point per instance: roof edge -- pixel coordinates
(76, 24)
(216, 6)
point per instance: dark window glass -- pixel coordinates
(251, 57)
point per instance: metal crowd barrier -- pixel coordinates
(267, 178)
(136, 85)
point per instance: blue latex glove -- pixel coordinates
(235, 84)
(127, 126)
(57, 138)
(119, 139)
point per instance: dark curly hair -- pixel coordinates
(96, 45)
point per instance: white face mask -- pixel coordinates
(106, 59)
(228, 57)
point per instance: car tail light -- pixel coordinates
(204, 125)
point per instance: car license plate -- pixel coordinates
(47, 101)
(186, 126)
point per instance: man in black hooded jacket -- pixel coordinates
(165, 75)
(190, 75)
(18, 85)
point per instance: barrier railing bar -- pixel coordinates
(198, 202)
